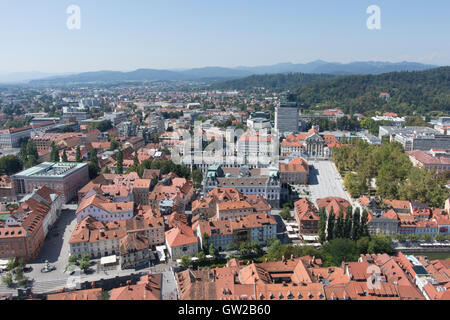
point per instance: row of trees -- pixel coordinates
(334, 252)
(374, 126)
(15, 266)
(352, 226)
(54, 154)
(84, 263)
(342, 123)
(423, 237)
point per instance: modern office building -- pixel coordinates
(66, 178)
(286, 117)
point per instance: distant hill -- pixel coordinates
(320, 66)
(281, 81)
(417, 92)
(20, 77)
(219, 73)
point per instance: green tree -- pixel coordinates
(7, 279)
(21, 263)
(78, 155)
(230, 247)
(322, 225)
(64, 156)
(135, 159)
(212, 250)
(85, 265)
(362, 245)
(12, 264)
(10, 165)
(23, 281)
(18, 274)
(339, 250)
(93, 158)
(244, 249)
(85, 262)
(186, 261)
(73, 259)
(348, 222)
(197, 177)
(54, 153)
(205, 242)
(113, 145)
(120, 162)
(201, 256)
(274, 248)
(364, 232)
(256, 248)
(356, 225)
(93, 165)
(285, 213)
(339, 227)
(356, 184)
(380, 244)
(412, 237)
(23, 153)
(32, 149)
(440, 237)
(330, 225)
(31, 161)
(400, 237)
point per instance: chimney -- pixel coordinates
(292, 257)
(93, 284)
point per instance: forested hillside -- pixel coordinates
(416, 92)
(411, 93)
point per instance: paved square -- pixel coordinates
(325, 181)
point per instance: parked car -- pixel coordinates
(27, 269)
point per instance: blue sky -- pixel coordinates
(170, 34)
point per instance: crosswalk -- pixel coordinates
(37, 287)
(6, 290)
(48, 286)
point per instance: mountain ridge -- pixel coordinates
(222, 73)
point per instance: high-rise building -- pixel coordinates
(286, 117)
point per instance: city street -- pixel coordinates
(57, 251)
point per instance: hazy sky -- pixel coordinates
(169, 34)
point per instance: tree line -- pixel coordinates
(352, 226)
